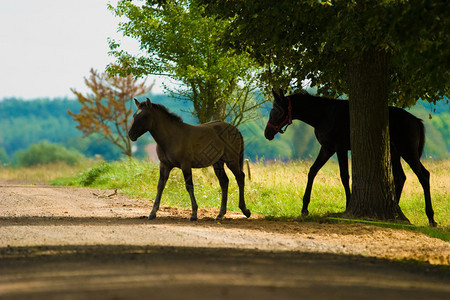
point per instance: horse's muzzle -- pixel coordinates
(132, 137)
(269, 134)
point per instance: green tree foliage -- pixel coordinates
(25, 123)
(298, 143)
(4, 159)
(442, 125)
(437, 124)
(439, 116)
(45, 153)
(316, 40)
(178, 41)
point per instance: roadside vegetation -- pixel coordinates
(43, 173)
(275, 190)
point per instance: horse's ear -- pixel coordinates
(148, 103)
(281, 93)
(275, 95)
(136, 102)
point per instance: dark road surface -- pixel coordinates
(127, 272)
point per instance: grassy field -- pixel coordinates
(275, 189)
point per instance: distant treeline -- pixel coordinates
(27, 122)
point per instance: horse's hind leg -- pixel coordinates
(187, 173)
(223, 180)
(321, 159)
(163, 176)
(424, 179)
(426, 187)
(399, 176)
(343, 168)
(240, 178)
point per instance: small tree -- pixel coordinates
(107, 109)
(179, 42)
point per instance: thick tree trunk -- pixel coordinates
(373, 192)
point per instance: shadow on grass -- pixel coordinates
(442, 233)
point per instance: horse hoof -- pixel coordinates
(193, 219)
(247, 213)
(305, 213)
(218, 218)
(151, 217)
(433, 224)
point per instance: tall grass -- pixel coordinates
(43, 173)
(276, 189)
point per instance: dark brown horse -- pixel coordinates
(331, 122)
(186, 146)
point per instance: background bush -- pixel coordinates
(45, 153)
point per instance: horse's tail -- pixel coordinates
(421, 137)
(241, 152)
(242, 160)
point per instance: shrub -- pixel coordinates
(92, 175)
(45, 153)
(4, 159)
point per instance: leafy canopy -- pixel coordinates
(177, 40)
(315, 40)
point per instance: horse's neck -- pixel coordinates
(164, 129)
(311, 110)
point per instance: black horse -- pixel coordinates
(331, 122)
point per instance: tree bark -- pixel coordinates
(219, 113)
(373, 191)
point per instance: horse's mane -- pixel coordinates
(304, 93)
(171, 115)
(307, 94)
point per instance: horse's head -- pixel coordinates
(141, 120)
(280, 116)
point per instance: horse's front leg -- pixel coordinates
(187, 173)
(164, 172)
(322, 158)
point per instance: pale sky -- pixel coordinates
(49, 46)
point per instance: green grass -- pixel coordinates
(275, 190)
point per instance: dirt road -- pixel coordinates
(68, 243)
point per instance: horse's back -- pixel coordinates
(407, 131)
(230, 136)
(225, 131)
(211, 142)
